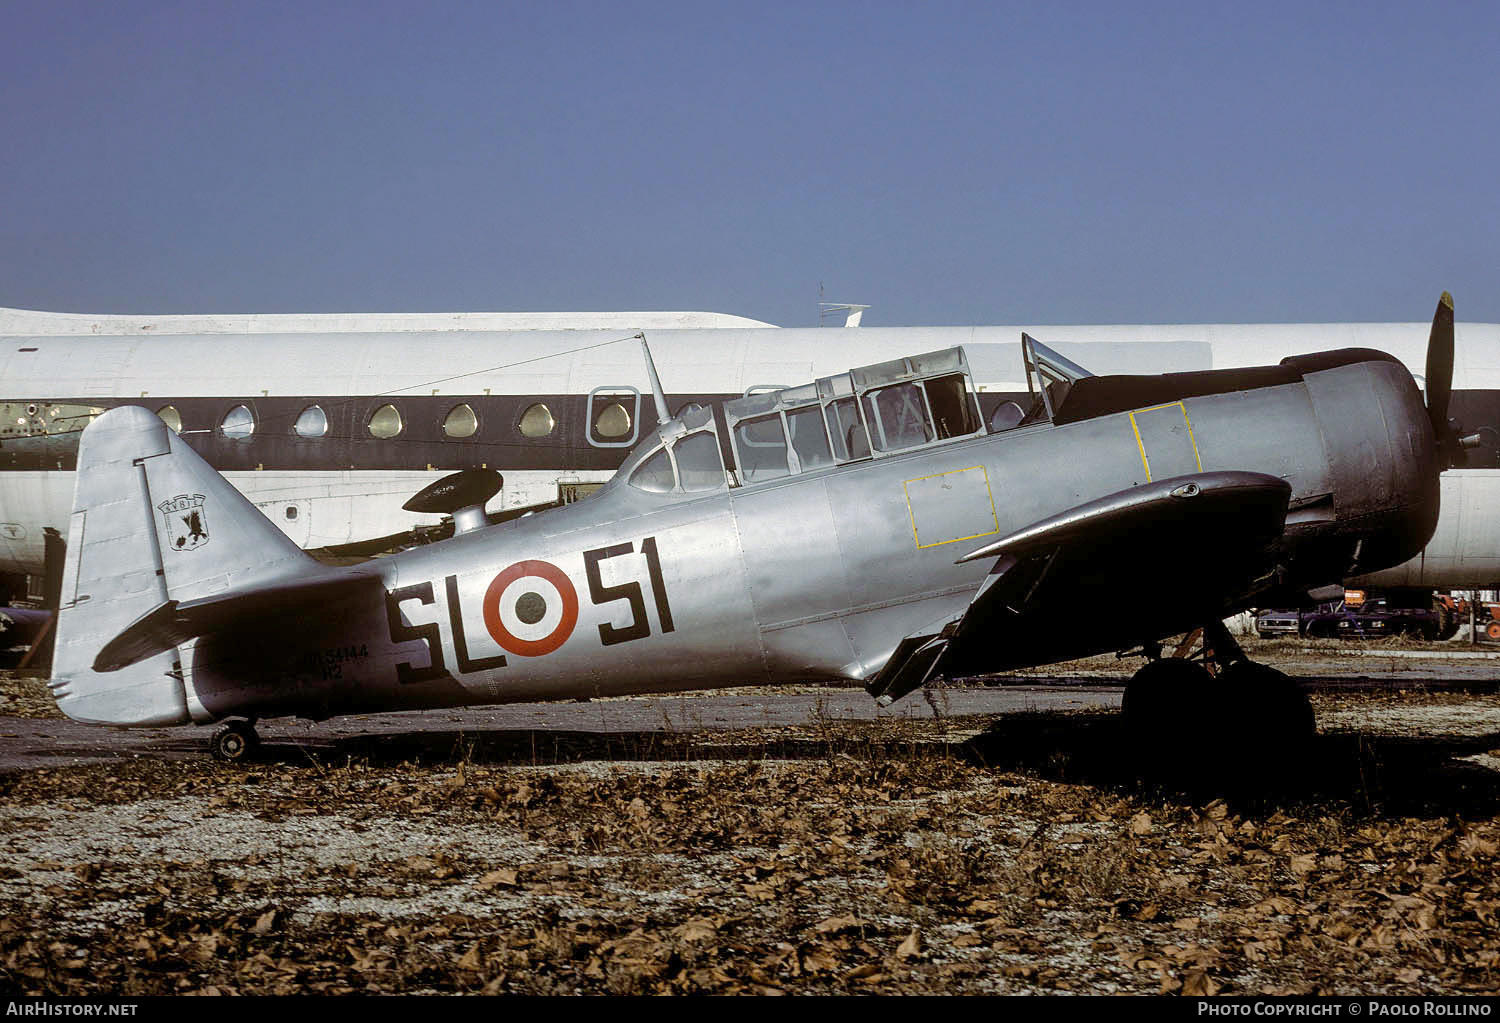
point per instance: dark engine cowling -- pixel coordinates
(1383, 464)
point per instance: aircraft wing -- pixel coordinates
(174, 622)
(1180, 547)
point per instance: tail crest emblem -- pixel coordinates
(187, 529)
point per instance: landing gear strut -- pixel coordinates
(235, 742)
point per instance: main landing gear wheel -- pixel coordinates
(1266, 707)
(1250, 725)
(1269, 727)
(235, 742)
(1162, 690)
(1165, 711)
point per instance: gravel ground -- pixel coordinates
(1020, 854)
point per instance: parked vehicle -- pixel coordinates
(1486, 616)
(1371, 620)
(1269, 624)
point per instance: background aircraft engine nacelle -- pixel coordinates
(1382, 455)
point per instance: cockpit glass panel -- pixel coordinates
(897, 417)
(760, 445)
(40, 419)
(953, 411)
(932, 363)
(850, 441)
(699, 463)
(169, 415)
(1049, 375)
(313, 422)
(654, 475)
(1007, 417)
(238, 423)
(809, 438)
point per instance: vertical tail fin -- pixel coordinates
(151, 521)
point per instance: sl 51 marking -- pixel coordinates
(184, 518)
(428, 634)
(639, 626)
(530, 609)
(460, 642)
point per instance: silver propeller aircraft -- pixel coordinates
(870, 526)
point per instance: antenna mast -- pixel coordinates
(656, 392)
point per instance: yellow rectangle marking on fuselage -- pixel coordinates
(912, 513)
(1141, 446)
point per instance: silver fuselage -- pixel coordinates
(820, 575)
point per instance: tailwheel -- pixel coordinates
(235, 742)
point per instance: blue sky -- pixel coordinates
(949, 163)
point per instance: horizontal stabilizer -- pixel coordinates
(175, 622)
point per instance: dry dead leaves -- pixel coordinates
(916, 872)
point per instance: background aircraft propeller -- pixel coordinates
(1440, 366)
(1449, 432)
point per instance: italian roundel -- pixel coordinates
(530, 608)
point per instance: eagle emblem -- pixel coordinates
(186, 528)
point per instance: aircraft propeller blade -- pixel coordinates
(1440, 372)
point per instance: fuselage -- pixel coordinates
(671, 578)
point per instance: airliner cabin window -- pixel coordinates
(170, 416)
(461, 422)
(613, 421)
(238, 423)
(654, 475)
(313, 422)
(385, 422)
(760, 446)
(537, 421)
(614, 417)
(699, 462)
(21, 419)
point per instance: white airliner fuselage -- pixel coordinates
(402, 400)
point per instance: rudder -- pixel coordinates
(151, 521)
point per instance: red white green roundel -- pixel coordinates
(531, 608)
